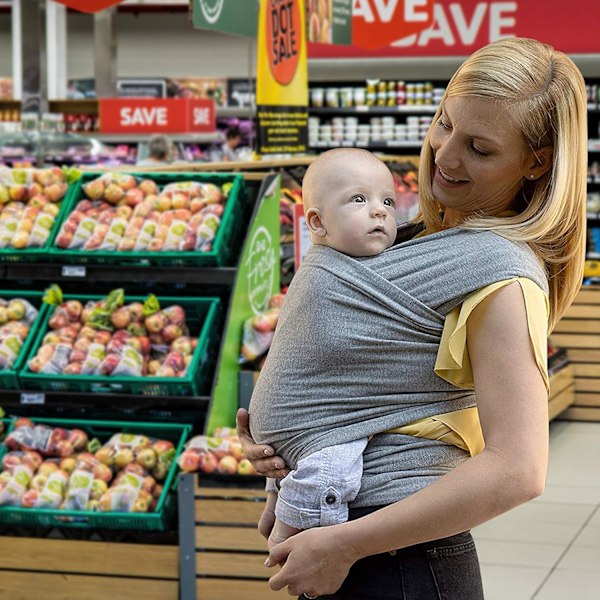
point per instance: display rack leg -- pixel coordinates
(187, 546)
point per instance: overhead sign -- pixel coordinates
(379, 23)
(228, 16)
(89, 6)
(148, 115)
(282, 78)
(461, 27)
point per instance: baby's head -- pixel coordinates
(349, 202)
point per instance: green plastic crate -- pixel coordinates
(225, 244)
(203, 323)
(9, 379)
(43, 253)
(103, 430)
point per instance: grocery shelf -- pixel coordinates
(374, 110)
(371, 146)
(58, 273)
(197, 138)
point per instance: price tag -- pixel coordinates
(29, 398)
(73, 271)
(362, 108)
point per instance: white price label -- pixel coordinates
(73, 271)
(28, 398)
(362, 108)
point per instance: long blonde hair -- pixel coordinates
(546, 95)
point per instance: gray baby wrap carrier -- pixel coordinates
(355, 348)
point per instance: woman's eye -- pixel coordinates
(358, 199)
(442, 124)
(389, 202)
(481, 153)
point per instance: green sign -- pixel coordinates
(229, 16)
(341, 25)
(257, 280)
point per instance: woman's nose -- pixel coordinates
(446, 153)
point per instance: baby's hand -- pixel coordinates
(280, 533)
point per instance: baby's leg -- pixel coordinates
(280, 533)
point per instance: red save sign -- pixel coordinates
(379, 23)
(156, 115)
(89, 6)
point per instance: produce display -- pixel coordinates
(16, 318)
(53, 467)
(108, 337)
(220, 453)
(29, 204)
(259, 330)
(122, 213)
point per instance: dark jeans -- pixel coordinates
(446, 569)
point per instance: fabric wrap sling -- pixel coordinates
(355, 348)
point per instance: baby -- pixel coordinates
(349, 205)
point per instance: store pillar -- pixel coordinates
(105, 53)
(32, 30)
(56, 49)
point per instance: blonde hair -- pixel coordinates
(546, 95)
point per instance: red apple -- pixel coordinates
(189, 461)
(227, 465)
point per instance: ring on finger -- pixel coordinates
(310, 597)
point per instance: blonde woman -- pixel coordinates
(497, 262)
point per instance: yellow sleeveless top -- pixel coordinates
(462, 428)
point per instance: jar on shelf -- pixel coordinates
(359, 96)
(401, 93)
(372, 91)
(332, 97)
(317, 97)
(346, 97)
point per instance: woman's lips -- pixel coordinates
(446, 180)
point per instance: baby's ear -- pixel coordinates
(314, 222)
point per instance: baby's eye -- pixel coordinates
(389, 202)
(358, 199)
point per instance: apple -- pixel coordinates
(121, 318)
(174, 314)
(78, 439)
(20, 240)
(17, 192)
(162, 447)
(227, 465)
(208, 462)
(98, 489)
(189, 462)
(235, 449)
(123, 457)
(146, 458)
(47, 468)
(38, 482)
(103, 472)
(94, 190)
(30, 498)
(64, 448)
(136, 469)
(155, 323)
(68, 464)
(106, 455)
(10, 461)
(33, 458)
(161, 470)
(113, 193)
(55, 191)
(23, 422)
(245, 467)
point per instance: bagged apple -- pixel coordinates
(53, 492)
(123, 495)
(14, 489)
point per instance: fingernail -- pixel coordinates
(267, 452)
(267, 562)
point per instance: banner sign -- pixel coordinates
(89, 6)
(165, 115)
(461, 27)
(282, 78)
(239, 17)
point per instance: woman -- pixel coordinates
(507, 153)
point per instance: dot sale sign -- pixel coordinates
(281, 78)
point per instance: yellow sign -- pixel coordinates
(282, 77)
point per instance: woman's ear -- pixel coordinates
(314, 222)
(542, 162)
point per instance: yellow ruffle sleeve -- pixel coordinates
(462, 428)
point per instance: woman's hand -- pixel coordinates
(261, 456)
(314, 562)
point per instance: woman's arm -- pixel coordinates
(513, 410)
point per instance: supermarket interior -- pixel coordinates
(152, 155)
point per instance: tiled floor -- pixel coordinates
(549, 549)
